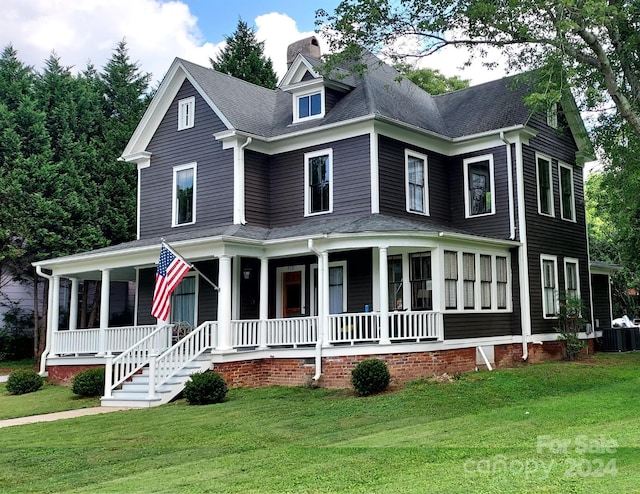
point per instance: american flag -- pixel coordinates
(171, 269)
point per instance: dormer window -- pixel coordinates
(308, 105)
(186, 113)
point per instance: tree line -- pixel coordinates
(62, 188)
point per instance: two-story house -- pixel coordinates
(341, 218)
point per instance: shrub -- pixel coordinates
(205, 388)
(23, 381)
(370, 376)
(89, 383)
(570, 323)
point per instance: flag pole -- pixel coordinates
(170, 249)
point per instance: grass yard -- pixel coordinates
(556, 427)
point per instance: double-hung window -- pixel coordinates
(416, 183)
(545, 189)
(571, 278)
(502, 281)
(186, 113)
(486, 279)
(394, 266)
(318, 182)
(479, 185)
(550, 301)
(567, 202)
(421, 283)
(450, 279)
(469, 279)
(184, 194)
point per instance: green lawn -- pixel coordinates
(557, 427)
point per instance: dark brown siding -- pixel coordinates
(331, 98)
(257, 194)
(477, 325)
(494, 225)
(359, 278)
(351, 181)
(553, 235)
(601, 308)
(391, 164)
(169, 148)
(146, 283)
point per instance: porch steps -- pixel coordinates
(135, 393)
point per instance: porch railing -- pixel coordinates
(354, 328)
(245, 333)
(292, 331)
(87, 341)
(415, 326)
(119, 369)
(166, 365)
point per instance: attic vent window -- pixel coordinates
(186, 113)
(552, 116)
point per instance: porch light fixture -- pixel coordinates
(246, 273)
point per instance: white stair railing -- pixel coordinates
(166, 365)
(119, 369)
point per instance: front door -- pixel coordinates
(291, 293)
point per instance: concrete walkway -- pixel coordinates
(50, 417)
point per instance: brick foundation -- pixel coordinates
(64, 374)
(336, 371)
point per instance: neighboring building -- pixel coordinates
(342, 218)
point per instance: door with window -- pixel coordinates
(292, 293)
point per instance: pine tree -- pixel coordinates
(243, 57)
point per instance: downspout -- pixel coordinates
(47, 347)
(512, 220)
(321, 268)
(523, 261)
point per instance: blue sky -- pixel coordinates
(157, 31)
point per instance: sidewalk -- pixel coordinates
(50, 417)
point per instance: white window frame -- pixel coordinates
(307, 196)
(467, 203)
(174, 203)
(296, 105)
(552, 211)
(573, 196)
(314, 287)
(477, 308)
(425, 171)
(196, 295)
(186, 113)
(567, 261)
(556, 308)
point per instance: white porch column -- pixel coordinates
(224, 304)
(54, 307)
(264, 302)
(73, 305)
(323, 297)
(384, 296)
(104, 311)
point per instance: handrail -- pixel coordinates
(185, 350)
(119, 369)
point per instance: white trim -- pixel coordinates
(552, 212)
(314, 273)
(572, 260)
(290, 269)
(523, 252)
(375, 172)
(296, 71)
(186, 113)
(562, 165)
(467, 205)
(425, 172)
(297, 96)
(307, 198)
(554, 259)
(174, 199)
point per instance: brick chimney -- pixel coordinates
(307, 46)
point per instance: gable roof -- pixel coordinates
(379, 92)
